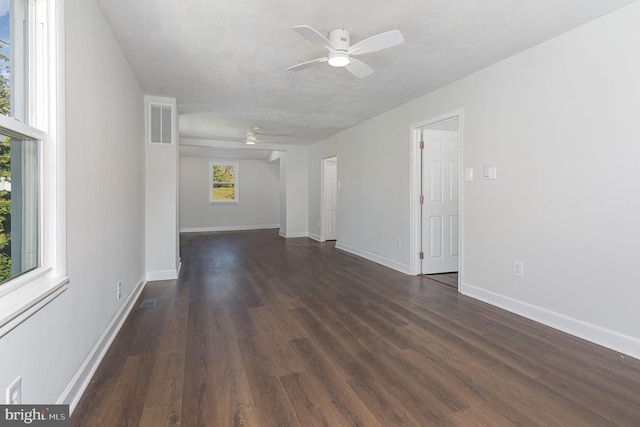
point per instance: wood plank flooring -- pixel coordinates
(265, 331)
(449, 279)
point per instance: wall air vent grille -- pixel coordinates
(160, 124)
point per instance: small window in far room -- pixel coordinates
(223, 182)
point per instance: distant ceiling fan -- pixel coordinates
(251, 138)
(341, 51)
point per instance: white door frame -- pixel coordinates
(414, 189)
(323, 201)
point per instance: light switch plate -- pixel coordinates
(492, 173)
(487, 170)
(468, 174)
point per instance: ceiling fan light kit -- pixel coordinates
(251, 138)
(341, 51)
(339, 59)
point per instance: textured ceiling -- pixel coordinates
(224, 60)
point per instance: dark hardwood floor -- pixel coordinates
(265, 331)
(449, 279)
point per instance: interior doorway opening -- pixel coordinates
(435, 214)
(329, 203)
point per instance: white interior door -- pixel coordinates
(440, 175)
(331, 197)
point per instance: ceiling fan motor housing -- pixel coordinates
(340, 39)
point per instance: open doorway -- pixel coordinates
(436, 182)
(329, 203)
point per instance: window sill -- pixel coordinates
(22, 303)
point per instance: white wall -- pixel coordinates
(560, 123)
(295, 164)
(259, 196)
(105, 211)
(372, 208)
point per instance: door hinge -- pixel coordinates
(421, 255)
(421, 200)
(422, 145)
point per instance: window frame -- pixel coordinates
(40, 115)
(236, 177)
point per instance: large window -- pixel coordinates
(28, 146)
(223, 182)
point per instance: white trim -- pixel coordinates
(593, 333)
(57, 136)
(414, 205)
(23, 302)
(316, 237)
(78, 384)
(395, 265)
(293, 235)
(152, 276)
(414, 190)
(20, 129)
(228, 228)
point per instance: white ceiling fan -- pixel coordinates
(341, 51)
(252, 137)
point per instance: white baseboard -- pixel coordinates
(293, 235)
(403, 268)
(229, 228)
(316, 237)
(72, 394)
(162, 275)
(596, 334)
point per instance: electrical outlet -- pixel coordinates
(119, 291)
(14, 392)
(518, 268)
(399, 242)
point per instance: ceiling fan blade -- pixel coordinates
(377, 42)
(359, 68)
(313, 36)
(306, 64)
(231, 139)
